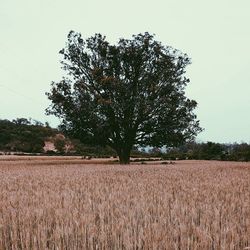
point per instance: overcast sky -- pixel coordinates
(215, 34)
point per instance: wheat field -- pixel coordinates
(48, 203)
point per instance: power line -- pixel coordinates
(20, 94)
(19, 77)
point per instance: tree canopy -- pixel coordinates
(130, 93)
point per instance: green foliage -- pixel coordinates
(23, 135)
(94, 151)
(60, 144)
(210, 151)
(238, 152)
(132, 93)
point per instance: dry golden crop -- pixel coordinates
(188, 205)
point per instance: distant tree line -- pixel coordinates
(24, 135)
(29, 136)
(208, 151)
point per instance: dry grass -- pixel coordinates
(189, 205)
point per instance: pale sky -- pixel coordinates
(215, 34)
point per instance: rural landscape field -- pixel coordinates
(69, 203)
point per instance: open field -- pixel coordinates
(66, 203)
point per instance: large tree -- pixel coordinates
(131, 93)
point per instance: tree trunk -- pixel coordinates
(124, 156)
